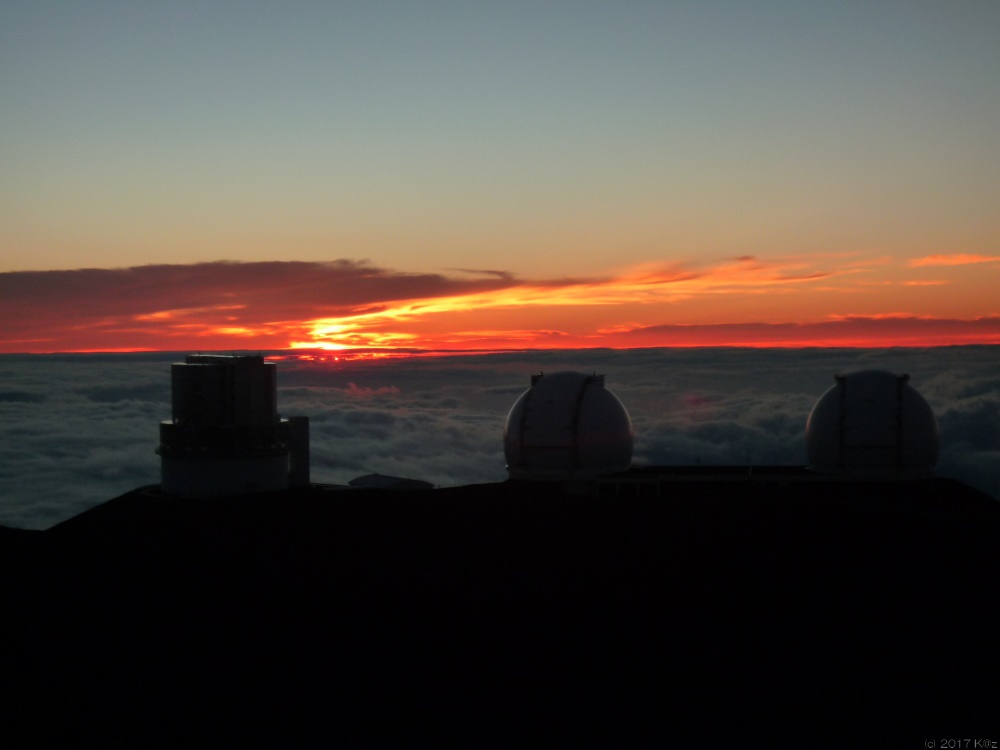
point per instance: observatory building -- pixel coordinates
(872, 423)
(226, 436)
(567, 426)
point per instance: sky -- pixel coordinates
(77, 430)
(448, 175)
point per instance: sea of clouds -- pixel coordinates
(76, 430)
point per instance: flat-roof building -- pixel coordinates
(225, 436)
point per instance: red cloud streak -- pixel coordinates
(858, 331)
(202, 306)
(273, 305)
(957, 259)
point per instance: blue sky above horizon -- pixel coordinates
(548, 141)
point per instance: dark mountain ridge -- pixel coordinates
(820, 612)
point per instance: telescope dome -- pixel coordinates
(567, 425)
(872, 423)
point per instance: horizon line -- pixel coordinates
(387, 352)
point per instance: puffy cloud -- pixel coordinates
(83, 431)
(76, 430)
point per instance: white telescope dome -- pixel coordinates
(567, 426)
(872, 423)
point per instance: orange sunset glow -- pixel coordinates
(794, 301)
(389, 177)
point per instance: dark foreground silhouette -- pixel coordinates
(830, 614)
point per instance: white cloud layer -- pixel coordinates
(76, 430)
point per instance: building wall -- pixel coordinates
(204, 477)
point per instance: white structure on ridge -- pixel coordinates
(226, 437)
(567, 426)
(872, 423)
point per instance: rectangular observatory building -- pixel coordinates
(225, 436)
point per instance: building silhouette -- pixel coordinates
(225, 436)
